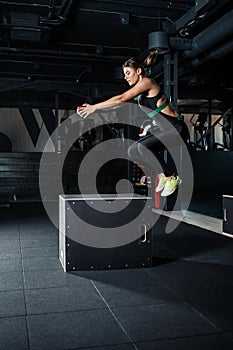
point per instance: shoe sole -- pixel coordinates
(159, 189)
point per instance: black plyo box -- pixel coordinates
(227, 222)
(105, 231)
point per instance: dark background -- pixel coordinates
(75, 49)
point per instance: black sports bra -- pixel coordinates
(150, 102)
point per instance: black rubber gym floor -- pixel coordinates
(183, 302)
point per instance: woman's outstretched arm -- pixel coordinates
(86, 109)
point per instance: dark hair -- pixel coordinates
(145, 65)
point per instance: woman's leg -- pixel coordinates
(156, 147)
(133, 152)
(168, 180)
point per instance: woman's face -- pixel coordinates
(131, 75)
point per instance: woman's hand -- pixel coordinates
(85, 110)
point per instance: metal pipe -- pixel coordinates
(63, 7)
(211, 138)
(61, 14)
(180, 5)
(33, 5)
(61, 54)
(190, 14)
(215, 33)
(51, 8)
(214, 54)
(29, 83)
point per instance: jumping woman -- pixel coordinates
(148, 94)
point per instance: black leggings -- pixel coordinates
(156, 143)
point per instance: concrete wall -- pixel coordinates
(12, 125)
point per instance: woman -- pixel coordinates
(148, 94)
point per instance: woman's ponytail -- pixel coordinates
(150, 59)
(145, 65)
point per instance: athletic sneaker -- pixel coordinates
(162, 181)
(170, 186)
(145, 180)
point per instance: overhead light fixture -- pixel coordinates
(159, 41)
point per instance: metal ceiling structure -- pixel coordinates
(73, 49)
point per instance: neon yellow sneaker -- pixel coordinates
(162, 181)
(170, 186)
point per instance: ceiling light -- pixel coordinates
(159, 41)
